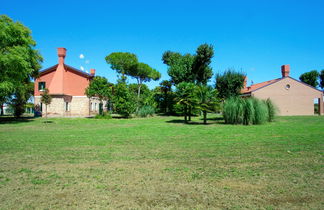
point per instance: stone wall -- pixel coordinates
(67, 106)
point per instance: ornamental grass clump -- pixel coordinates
(145, 111)
(248, 111)
(260, 111)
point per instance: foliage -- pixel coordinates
(18, 100)
(185, 96)
(127, 64)
(272, 110)
(207, 100)
(104, 115)
(164, 97)
(46, 99)
(19, 62)
(229, 84)
(248, 111)
(201, 66)
(190, 68)
(310, 78)
(321, 76)
(101, 88)
(145, 111)
(179, 66)
(122, 62)
(123, 100)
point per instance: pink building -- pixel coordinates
(291, 96)
(67, 87)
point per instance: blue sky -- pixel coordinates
(256, 37)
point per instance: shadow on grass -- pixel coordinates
(48, 121)
(14, 120)
(193, 122)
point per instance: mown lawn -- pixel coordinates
(161, 163)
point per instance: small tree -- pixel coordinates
(46, 99)
(185, 96)
(99, 87)
(310, 78)
(207, 100)
(123, 100)
(229, 84)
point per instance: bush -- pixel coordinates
(145, 111)
(272, 110)
(105, 115)
(248, 111)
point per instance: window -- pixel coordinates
(287, 87)
(41, 86)
(67, 106)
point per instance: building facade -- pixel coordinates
(292, 97)
(67, 87)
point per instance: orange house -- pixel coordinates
(67, 87)
(292, 97)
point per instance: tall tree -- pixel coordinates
(310, 78)
(122, 62)
(321, 76)
(127, 64)
(99, 87)
(201, 66)
(179, 66)
(229, 84)
(143, 73)
(46, 99)
(19, 61)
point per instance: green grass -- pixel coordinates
(160, 162)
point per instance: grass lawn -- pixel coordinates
(161, 163)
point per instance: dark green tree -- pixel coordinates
(179, 66)
(46, 99)
(99, 87)
(19, 61)
(23, 92)
(201, 69)
(310, 78)
(229, 84)
(321, 76)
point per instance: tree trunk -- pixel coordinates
(185, 114)
(2, 112)
(46, 112)
(189, 114)
(205, 117)
(138, 94)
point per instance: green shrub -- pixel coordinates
(248, 111)
(105, 115)
(145, 111)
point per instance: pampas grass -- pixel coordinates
(248, 111)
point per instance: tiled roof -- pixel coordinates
(53, 68)
(258, 85)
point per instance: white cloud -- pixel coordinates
(87, 61)
(81, 67)
(81, 56)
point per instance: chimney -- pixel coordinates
(245, 81)
(61, 52)
(285, 70)
(92, 72)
